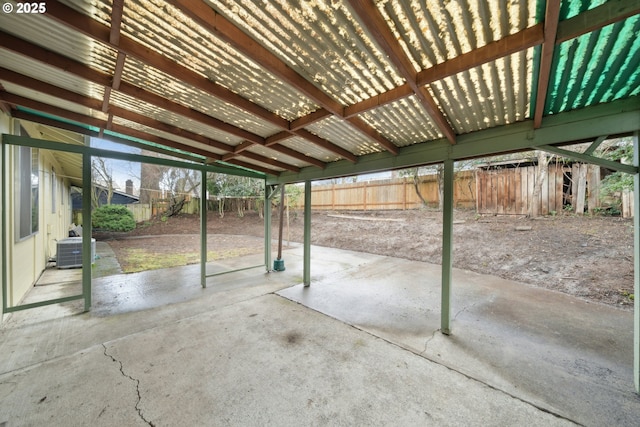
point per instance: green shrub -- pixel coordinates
(113, 218)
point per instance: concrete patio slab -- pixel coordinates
(361, 346)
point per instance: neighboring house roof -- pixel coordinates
(285, 87)
(118, 198)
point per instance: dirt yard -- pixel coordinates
(588, 257)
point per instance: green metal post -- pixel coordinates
(5, 255)
(267, 226)
(447, 248)
(636, 264)
(87, 253)
(307, 234)
(203, 229)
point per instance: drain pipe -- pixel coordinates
(278, 264)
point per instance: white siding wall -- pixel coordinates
(27, 258)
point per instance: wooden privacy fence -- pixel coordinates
(398, 193)
(510, 190)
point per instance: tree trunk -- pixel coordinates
(541, 175)
(440, 177)
(416, 186)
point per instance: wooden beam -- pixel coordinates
(310, 118)
(551, 18)
(86, 25)
(274, 139)
(514, 43)
(100, 32)
(321, 142)
(251, 166)
(120, 112)
(371, 18)
(114, 38)
(385, 98)
(269, 161)
(117, 73)
(591, 20)
(117, 8)
(296, 155)
(19, 46)
(22, 47)
(374, 134)
(84, 131)
(224, 29)
(101, 124)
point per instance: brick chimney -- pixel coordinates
(129, 187)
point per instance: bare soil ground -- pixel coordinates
(588, 257)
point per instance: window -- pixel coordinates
(27, 186)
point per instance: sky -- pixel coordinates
(121, 170)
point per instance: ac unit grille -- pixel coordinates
(69, 252)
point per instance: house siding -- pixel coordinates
(27, 258)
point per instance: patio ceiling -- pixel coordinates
(299, 89)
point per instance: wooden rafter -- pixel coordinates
(268, 161)
(128, 115)
(203, 14)
(292, 153)
(23, 115)
(99, 123)
(20, 46)
(517, 42)
(608, 13)
(511, 44)
(88, 26)
(371, 18)
(96, 30)
(551, 17)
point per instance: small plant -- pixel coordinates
(113, 218)
(628, 295)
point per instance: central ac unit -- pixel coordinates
(70, 252)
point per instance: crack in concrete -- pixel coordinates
(463, 309)
(135, 380)
(433, 335)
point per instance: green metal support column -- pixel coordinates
(203, 229)
(447, 248)
(636, 264)
(5, 246)
(267, 225)
(307, 234)
(87, 254)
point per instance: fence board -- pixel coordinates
(593, 187)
